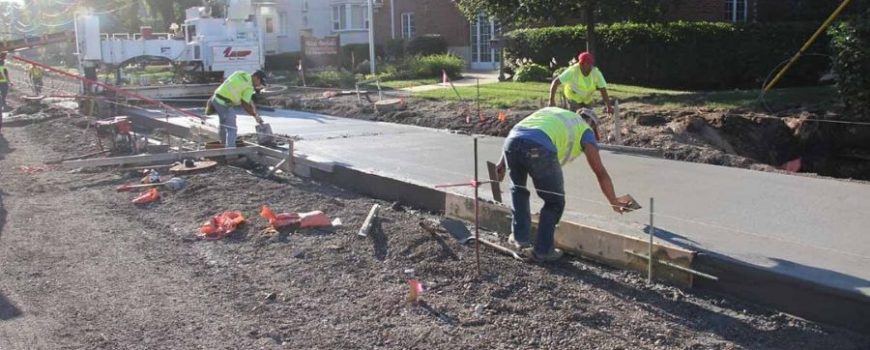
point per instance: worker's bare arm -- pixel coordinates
(603, 177)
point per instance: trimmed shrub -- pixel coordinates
(331, 78)
(686, 55)
(850, 44)
(427, 45)
(532, 72)
(283, 61)
(353, 54)
(431, 66)
(395, 49)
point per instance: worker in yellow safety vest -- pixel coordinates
(581, 80)
(237, 90)
(538, 147)
(4, 85)
(35, 74)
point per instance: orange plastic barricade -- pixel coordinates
(279, 220)
(147, 197)
(221, 225)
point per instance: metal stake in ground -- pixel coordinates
(652, 232)
(476, 211)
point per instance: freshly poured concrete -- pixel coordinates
(811, 228)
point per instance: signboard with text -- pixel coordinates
(321, 51)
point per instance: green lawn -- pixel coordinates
(511, 94)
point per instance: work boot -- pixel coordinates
(518, 245)
(529, 254)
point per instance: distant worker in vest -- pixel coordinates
(237, 90)
(4, 85)
(581, 81)
(538, 147)
(35, 74)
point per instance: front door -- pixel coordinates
(483, 56)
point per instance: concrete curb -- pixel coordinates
(795, 296)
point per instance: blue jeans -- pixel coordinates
(4, 90)
(527, 158)
(228, 130)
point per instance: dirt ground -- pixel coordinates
(735, 138)
(81, 267)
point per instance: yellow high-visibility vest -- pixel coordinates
(238, 88)
(563, 127)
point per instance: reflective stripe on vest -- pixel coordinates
(564, 128)
(570, 124)
(234, 86)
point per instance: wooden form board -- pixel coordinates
(156, 158)
(588, 242)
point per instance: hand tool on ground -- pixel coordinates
(265, 136)
(500, 249)
(174, 183)
(494, 181)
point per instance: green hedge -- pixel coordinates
(532, 72)
(851, 46)
(283, 61)
(432, 65)
(426, 45)
(688, 55)
(353, 54)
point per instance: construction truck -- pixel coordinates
(216, 47)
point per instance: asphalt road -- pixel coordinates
(813, 228)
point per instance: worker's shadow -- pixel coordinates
(3, 213)
(673, 238)
(8, 310)
(379, 240)
(4, 147)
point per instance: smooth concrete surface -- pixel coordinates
(811, 228)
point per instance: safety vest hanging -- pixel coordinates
(563, 127)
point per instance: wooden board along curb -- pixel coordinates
(156, 158)
(588, 242)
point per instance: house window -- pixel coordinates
(270, 26)
(736, 10)
(284, 28)
(409, 28)
(350, 17)
(358, 17)
(339, 16)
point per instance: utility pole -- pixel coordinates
(372, 36)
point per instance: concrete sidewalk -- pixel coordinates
(809, 229)
(468, 79)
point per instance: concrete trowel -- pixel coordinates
(264, 135)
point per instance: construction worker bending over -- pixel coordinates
(4, 85)
(237, 90)
(35, 74)
(538, 146)
(581, 80)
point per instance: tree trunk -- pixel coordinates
(589, 14)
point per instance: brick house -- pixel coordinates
(407, 19)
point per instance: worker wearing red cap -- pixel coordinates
(581, 81)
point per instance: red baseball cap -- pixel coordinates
(584, 57)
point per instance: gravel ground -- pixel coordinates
(83, 268)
